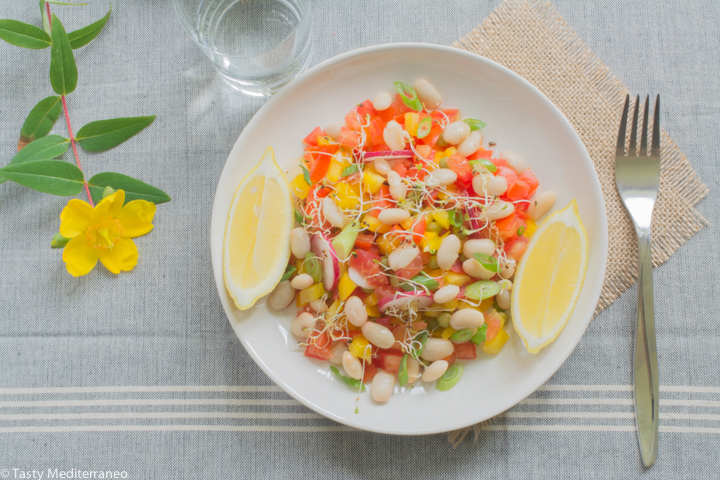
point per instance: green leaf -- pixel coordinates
(105, 134)
(66, 3)
(45, 148)
(289, 270)
(23, 34)
(490, 263)
(47, 176)
(306, 174)
(134, 189)
(40, 120)
(63, 71)
(474, 123)
(356, 384)
(347, 171)
(80, 38)
(45, 20)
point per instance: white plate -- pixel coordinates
(519, 118)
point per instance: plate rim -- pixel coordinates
(278, 97)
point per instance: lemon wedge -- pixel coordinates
(256, 248)
(549, 278)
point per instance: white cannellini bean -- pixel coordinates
(480, 183)
(437, 349)
(448, 252)
(355, 311)
(473, 268)
(456, 132)
(303, 325)
(446, 294)
(333, 214)
(393, 216)
(498, 210)
(394, 136)
(541, 204)
(484, 245)
(398, 188)
(302, 281)
(497, 185)
(403, 256)
(332, 130)
(514, 161)
(441, 177)
(337, 353)
(435, 370)
(382, 386)
(319, 305)
(470, 145)
(282, 296)
(503, 298)
(378, 335)
(427, 93)
(352, 365)
(382, 101)
(508, 269)
(413, 370)
(299, 242)
(382, 167)
(466, 318)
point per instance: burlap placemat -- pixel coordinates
(534, 41)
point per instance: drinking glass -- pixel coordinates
(256, 45)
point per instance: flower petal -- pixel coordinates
(123, 256)
(136, 218)
(79, 258)
(109, 206)
(75, 217)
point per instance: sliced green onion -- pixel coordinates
(455, 218)
(344, 242)
(490, 263)
(409, 96)
(481, 290)
(289, 270)
(474, 123)
(424, 127)
(313, 267)
(479, 337)
(444, 319)
(403, 372)
(423, 279)
(347, 171)
(450, 377)
(421, 337)
(463, 335)
(521, 231)
(356, 384)
(483, 163)
(306, 174)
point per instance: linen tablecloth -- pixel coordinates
(141, 373)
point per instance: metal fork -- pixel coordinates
(638, 179)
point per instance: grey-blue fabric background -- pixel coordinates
(163, 325)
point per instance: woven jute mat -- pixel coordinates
(533, 40)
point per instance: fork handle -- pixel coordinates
(645, 368)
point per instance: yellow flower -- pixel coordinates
(104, 232)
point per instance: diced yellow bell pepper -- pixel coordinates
(442, 217)
(487, 303)
(371, 300)
(447, 332)
(374, 225)
(530, 228)
(373, 311)
(334, 309)
(300, 187)
(388, 243)
(372, 181)
(435, 273)
(494, 346)
(431, 313)
(346, 196)
(450, 151)
(437, 333)
(431, 242)
(324, 141)
(334, 171)
(451, 305)
(360, 348)
(309, 294)
(458, 279)
(345, 287)
(412, 119)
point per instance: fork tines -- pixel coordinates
(632, 148)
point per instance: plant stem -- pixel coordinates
(69, 127)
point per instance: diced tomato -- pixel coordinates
(312, 138)
(459, 164)
(384, 321)
(411, 270)
(451, 113)
(457, 267)
(508, 226)
(493, 328)
(320, 168)
(398, 332)
(528, 177)
(400, 107)
(481, 153)
(370, 371)
(508, 173)
(381, 201)
(364, 241)
(381, 147)
(366, 108)
(431, 139)
(451, 359)
(400, 119)
(416, 173)
(353, 333)
(424, 154)
(365, 264)
(384, 291)
(400, 168)
(521, 207)
(349, 138)
(387, 114)
(320, 348)
(375, 130)
(515, 249)
(322, 191)
(465, 351)
(351, 120)
(388, 360)
(519, 191)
